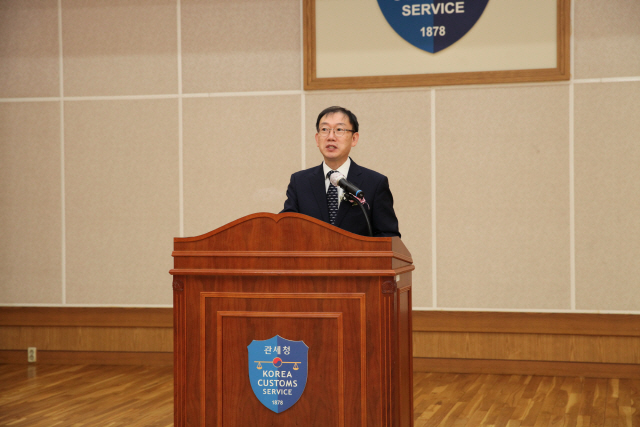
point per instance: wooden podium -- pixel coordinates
(348, 297)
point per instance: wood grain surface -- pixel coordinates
(132, 396)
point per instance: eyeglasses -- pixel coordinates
(325, 131)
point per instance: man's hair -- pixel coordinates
(335, 109)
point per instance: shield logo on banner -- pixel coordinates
(432, 25)
(278, 371)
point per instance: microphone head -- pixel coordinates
(335, 178)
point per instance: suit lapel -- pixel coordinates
(316, 180)
(355, 177)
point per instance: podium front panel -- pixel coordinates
(344, 355)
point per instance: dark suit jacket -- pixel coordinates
(306, 194)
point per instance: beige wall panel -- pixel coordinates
(122, 200)
(395, 140)
(607, 35)
(29, 54)
(238, 156)
(570, 348)
(607, 196)
(502, 202)
(30, 203)
(119, 47)
(232, 46)
(86, 338)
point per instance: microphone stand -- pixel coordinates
(351, 198)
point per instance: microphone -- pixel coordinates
(339, 180)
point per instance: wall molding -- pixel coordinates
(134, 317)
(580, 344)
(87, 335)
(527, 323)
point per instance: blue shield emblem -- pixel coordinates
(432, 25)
(278, 371)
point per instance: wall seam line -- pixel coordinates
(572, 210)
(63, 205)
(434, 244)
(180, 122)
(303, 97)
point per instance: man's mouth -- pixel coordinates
(331, 147)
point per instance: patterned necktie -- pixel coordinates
(332, 200)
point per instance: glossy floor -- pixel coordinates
(131, 396)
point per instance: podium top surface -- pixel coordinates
(288, 235)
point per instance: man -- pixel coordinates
(310, 191)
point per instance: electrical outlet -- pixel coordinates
(31, 354)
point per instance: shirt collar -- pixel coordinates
(344, 169)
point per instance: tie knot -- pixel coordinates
(329, 174)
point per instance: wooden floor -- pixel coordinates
(113, 396)
(518, 401)
(86, 395)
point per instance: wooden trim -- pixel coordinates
(286, 254)
(527, 323)
(423, 321)
(240, 272)
(428, 80)
(179, 352)
(564, 39)
(292, 254)
(87, 316)
(45, 357)
(527, 367)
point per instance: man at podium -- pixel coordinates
(310, 191)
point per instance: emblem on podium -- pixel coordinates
(278, 371)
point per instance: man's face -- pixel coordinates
(335, 149)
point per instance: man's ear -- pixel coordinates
(354, 141)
